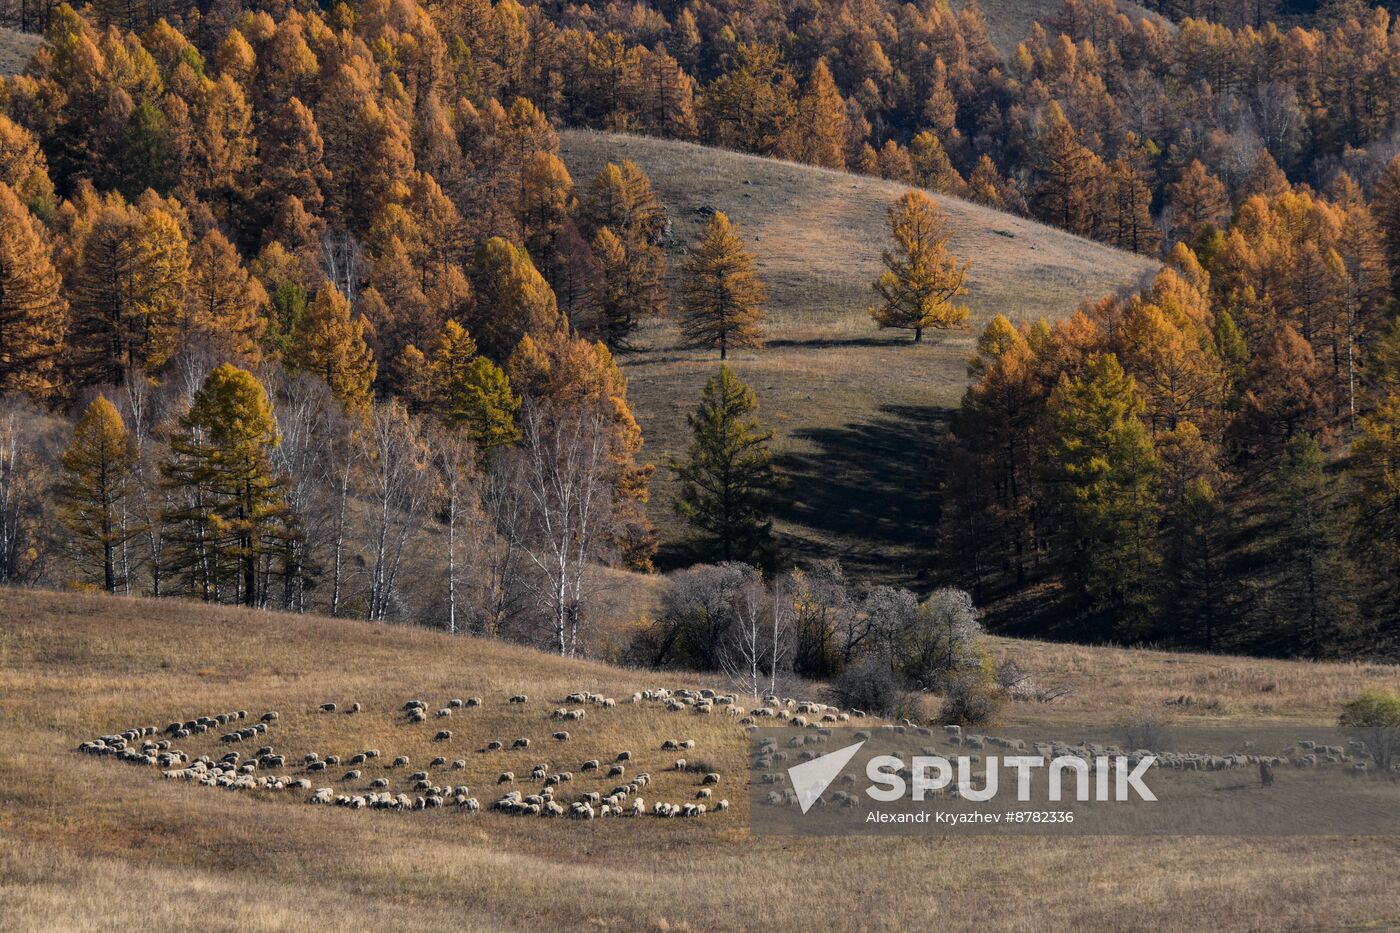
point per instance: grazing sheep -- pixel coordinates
(400, 762)
(417, 715)
(538, 774)
(379, 782)
(354, 708)
(469, 804)
(561, 736)
(590, 765)
(624, 756)
(711, 778)
(616, 771)
(316, 766)
(473, 701)
(444, 735)
(324, 795)
(459, 764)
(680, 764)
(506, 777)
(437, 762)
(413, 704)
(444, 712)
(332, 759)
(328, 707)
(351, 776)
(670, 745)
(520, 743)
(688, 743)
(418, 776)
(371, 753)
(269, 716)
(357, 759)
(454, 704)
(703, 793)
(520, 698)
(493, 746)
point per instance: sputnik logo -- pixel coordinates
(811, 778)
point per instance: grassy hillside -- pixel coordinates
(16, 48)
(1009, 22)
(857, 410)
(74, 666)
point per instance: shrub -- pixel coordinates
(972, 697)
(867, 685)
(1375, 717)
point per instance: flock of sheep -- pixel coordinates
(267, 768)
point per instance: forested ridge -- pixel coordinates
(313, 283)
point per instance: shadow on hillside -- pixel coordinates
(831, 343)
(869, 490)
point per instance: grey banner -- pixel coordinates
(1073, 780)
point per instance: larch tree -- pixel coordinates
(33, 313)
(224, 303)
(722, 298)
(630, 288)
(922, 280)
(728, 485)
(330, 343)
(1196, 198)
(512, 299)
(1375, 488)
(99, 478)
(230, 514)
(817, 134)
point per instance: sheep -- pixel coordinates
(703, 793)
(353, 708)
(357, 759)
(269, 716)
(624, 756)
(351, 775)
(328, 707)
(688, 743)
(444, 735)
(459, 764)
(473, 701)
(616, 771)
(444, 712)
(722, 805)
(418, 776)
(493, 746)
(561, 736)
(332, 759)
(469, 804)
(454, 704)
(520, 743)
(371, 753)
(506, 777)
(413, 704)
(680, 764)
(437, 762)
(379, 782)
(538, 774)
(711, 778)
(400, 762)
(590, 765)
(520, 698)
(417, 715)
(316, 766)
(324, 795)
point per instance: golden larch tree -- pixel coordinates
(922, 279)
(33, 313)
(722, 297)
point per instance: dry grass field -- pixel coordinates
(93, 844)
(16, 48)
(857, 411)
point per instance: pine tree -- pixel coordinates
(33, 314)
(722, 297)
(1100, 469)
(99, 477)
(728, 483)
(921, 280)
(470, 391)
(1309, 599)
(231, 514)
(329, 343)
(630, 286)
(621, 198)
(1375, 481)
(932, 167)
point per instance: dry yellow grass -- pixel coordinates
(16, 48)
(857, 411)
(92, 844)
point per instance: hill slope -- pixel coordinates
(16, 48)
(74, 666)
(857, 410)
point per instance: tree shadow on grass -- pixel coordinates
(868, 492)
